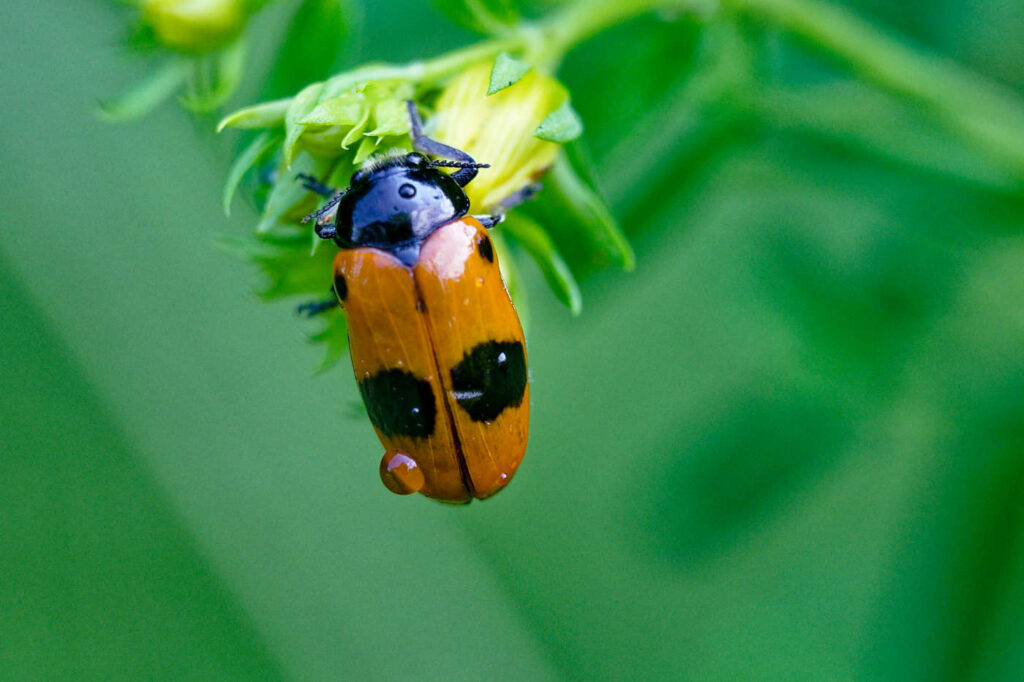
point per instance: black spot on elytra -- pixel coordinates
(490, 378)
(340, 287)
(485, 248)
(399, 404)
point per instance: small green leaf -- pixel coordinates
(482, 16)
(507, 70)
(542, 249)
(590, 208)
(390, 117)
(510, 276)
(561, 125)
(244, 161)
(287, 192)
(147, 94)
(346, 109)
(334, 336)
(265, 115)
(300, 107)
(365, 150)
(352, 135)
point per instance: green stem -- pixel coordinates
(980, 110)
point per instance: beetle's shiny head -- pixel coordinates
(395, 202)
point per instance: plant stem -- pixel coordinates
(983, 111)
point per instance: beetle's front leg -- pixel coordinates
(507, 204)
(422, 143)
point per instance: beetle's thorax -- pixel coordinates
(397, 204)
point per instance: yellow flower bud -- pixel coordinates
(499, 129)
(194, 25)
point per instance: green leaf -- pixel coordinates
(301, 105)
(482, 16)
(334, 336)
(346, 109)
(264, 115)
(542, 249)
(588, 207)
(511, 277)
(287, 191)
(365, 150)
(147, 94)
(318, 30)
(561, 125)
(390, 117)
(507, 70)
(244, 161)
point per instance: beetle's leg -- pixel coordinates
(490, 220)
(422, 143)
(516, 198)
(507, 204)
(314, 185)
(314, 308)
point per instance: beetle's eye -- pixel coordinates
(360, 176)
(417, 160)
(407, 191)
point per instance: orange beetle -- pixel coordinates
(436, 345)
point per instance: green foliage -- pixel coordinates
(787, 446)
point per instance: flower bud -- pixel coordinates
(367, 115)
(499, 129)
(194, 25)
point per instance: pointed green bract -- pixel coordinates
(288, 191)
(346, 109)
(390, 117)
(245, 160)
(561, 125)
(264, 115)
(301, 106)
(532, 237)
(507, 70)
(511, 278)
(147, 94)
(593, 215)
(334, 337)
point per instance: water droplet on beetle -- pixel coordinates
(400, 473)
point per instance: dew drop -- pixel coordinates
(400, 473)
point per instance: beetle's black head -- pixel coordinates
(395, 202)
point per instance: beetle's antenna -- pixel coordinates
(459, 164)
(326, 208)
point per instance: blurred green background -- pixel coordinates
(789, 446)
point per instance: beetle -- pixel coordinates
(436, 345)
